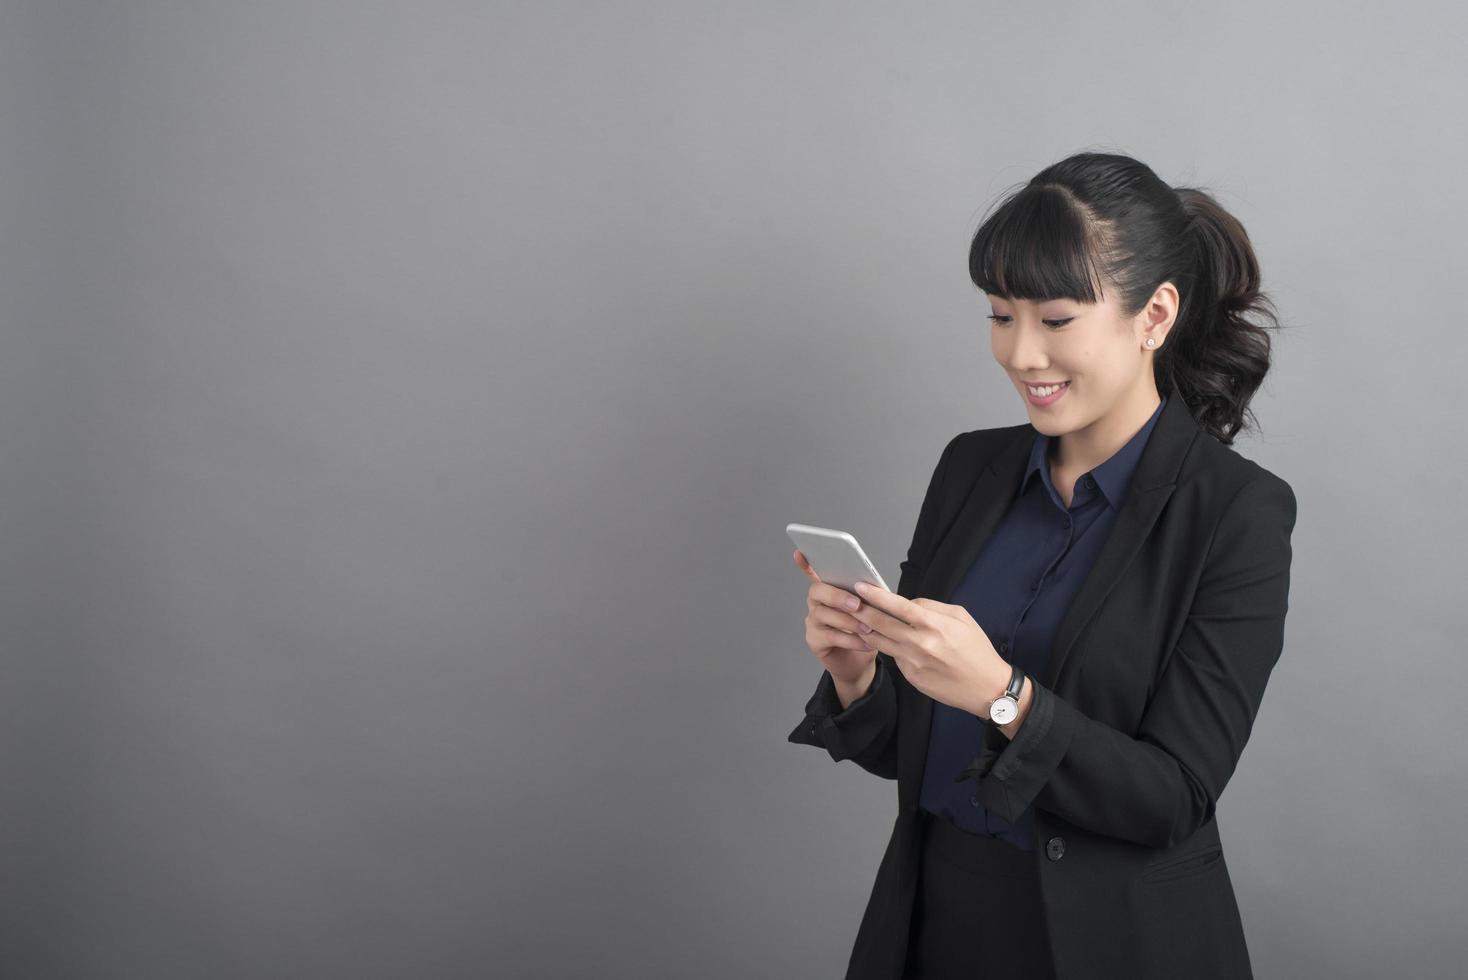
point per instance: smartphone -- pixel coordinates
(835, 555)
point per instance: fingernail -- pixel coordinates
(853, 603)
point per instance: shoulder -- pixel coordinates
(976, 447)
(1211, 460)
(968, 452)
(1215, 479)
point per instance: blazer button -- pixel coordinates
(1055, 848)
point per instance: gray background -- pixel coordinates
(401, 406)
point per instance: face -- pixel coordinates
(1098, 355)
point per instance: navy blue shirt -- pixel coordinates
(1017, 590)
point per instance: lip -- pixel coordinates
(1052, 399)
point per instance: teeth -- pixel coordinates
(1046, 391)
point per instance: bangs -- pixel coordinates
(1038, 246)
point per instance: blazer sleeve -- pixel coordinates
(1162, 785)
(866, 731)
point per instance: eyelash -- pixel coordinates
(1052, 324)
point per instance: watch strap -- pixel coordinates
(1016, 683)
(1011, 692)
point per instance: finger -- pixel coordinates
(889, 624)
(943, 608)
(896, 649)
(839, 619)
(837, 598)
(827, 636)
(897, 608)
(804, 565)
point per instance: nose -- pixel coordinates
(1027, 351)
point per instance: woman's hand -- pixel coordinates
(939, 648)
(831, 631)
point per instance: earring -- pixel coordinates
(1151, 342)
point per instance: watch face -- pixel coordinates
(1003, 711)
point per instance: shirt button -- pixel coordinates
(1035, 587)
(1055, 848)
(974, 800)
(1003, 646)
(1090, 483)
(1065, 523)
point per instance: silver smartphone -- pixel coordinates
(835, 555)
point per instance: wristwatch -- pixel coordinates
(1006, 707)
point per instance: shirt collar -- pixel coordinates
(1112, 476)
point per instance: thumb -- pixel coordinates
(950, 609)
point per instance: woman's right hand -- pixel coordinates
(837, 638)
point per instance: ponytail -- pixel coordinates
(1218, 351)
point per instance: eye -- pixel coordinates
(1053, 324)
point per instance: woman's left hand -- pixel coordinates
(938, 646)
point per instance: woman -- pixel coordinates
(1088, 614)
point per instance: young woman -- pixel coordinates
(1089, 611)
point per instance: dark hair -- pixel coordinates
(1104, 218)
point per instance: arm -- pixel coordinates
(1159, 787)
(866, 730)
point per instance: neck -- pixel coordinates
(1085, 449)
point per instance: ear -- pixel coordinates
(1157, 317)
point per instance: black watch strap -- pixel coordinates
(1007, 704)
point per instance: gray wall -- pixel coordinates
(402, 404)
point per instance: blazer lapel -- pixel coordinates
(1152, 484)
(984, 507)
(978, 517)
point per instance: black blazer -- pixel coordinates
(1156, 675)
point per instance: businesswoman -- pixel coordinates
(1089, 611)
